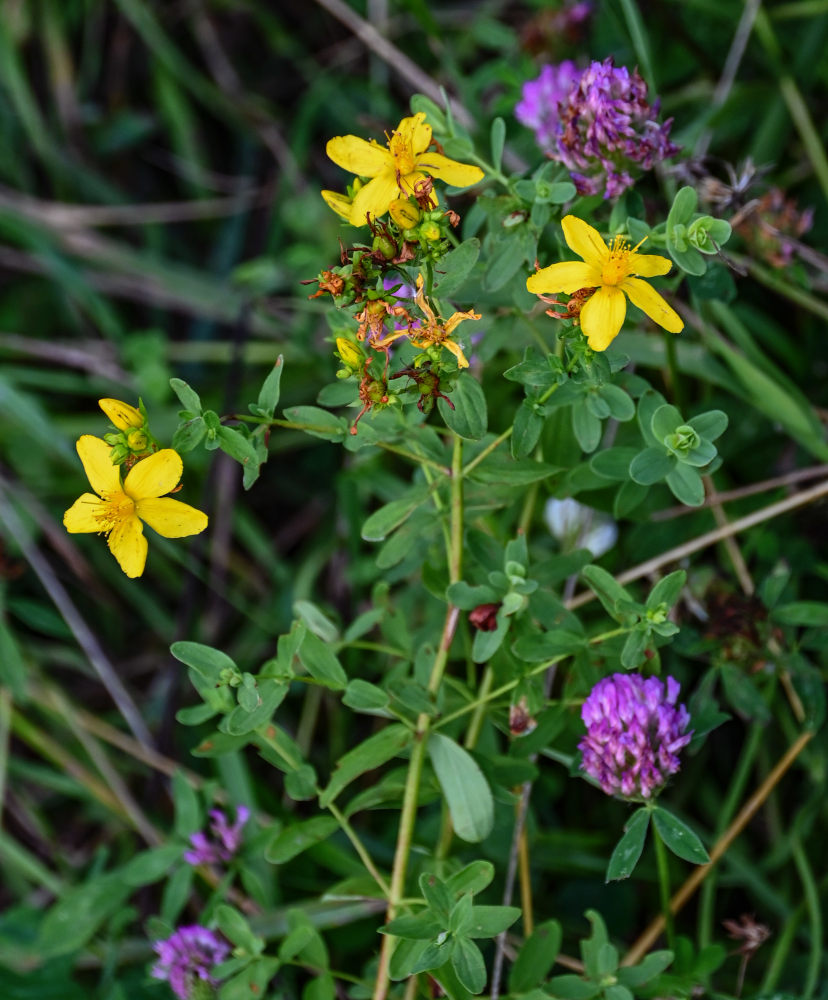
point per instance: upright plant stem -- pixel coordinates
(664, 886)
(411, 794)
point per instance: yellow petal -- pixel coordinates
(358, 156)
(455, 350)
(103, 476)
(171, 518)
(127, 543)
(456, 174)
(416, 132)
(584, 240)
(602, 316)
(648, 265)
(340, 203)
(83, 514)
(121, 414)
(649, 301)
(374, 198)
(457, 318)
(154, 476)
(568, 277)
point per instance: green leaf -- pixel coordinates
(370, 754)
(667, 590)
(489, 921)
(743, 695)
(469, 418)
(526, 431)
(151, 865)
(632, 652)
(188, 814)
(686, 485)
(679, 838)
(189, 435)
(294, 839)
(537, 648)
(468, 965)
(316, 620)
(467, 597)
(585, 426)
(649, 402)
(271, 693)
(251, 981)
(629, 847)
(608, 591)
(653, 965)
(572, 988)
(236, 929)
(709, 425)
(486, 644)
(435, 115)
(683, 207)
(318, 423)
(664, 421)
(651, 465)
(497, 138)
(390, 516)
(806, 613)
(78, 914)
(620, 403)
(560, 192)
(405, 957)
(207, 662)
(321, 663)
(440, 900)
(420, 927)
(467, 792)
(474, 878)
(435, 954)
(456, 267)
(536, 957)
(269, 393)
(189, 398)
(362, 696)
(614, 463)
(500, 470)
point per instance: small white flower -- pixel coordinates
(578, 527)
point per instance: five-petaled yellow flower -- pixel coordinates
(394, 169)
(611, 270)
(120, 507)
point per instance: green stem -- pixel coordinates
(814, 909)
(735, 794)
(640, 43)
(664, 887)
(411, 793)
(488, 696)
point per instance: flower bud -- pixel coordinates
(385, 246)
(349, 353)
(430, 231)
(404, 213)
(137, 441)
(122, 415)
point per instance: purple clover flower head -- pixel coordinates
(601, 127)
(186, 958)
(634, 733)
(541, 100)
(225, 842)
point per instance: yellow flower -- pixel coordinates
(340, 203)
(610, 269)
(433, 331)
(120, 508)
(122, 415)
(396, 169)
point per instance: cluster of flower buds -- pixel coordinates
(132, 439)
(598, 123)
